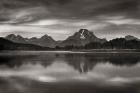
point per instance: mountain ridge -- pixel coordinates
(34, 40)
(80, 38)
(9, 45)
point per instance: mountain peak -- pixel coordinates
(81, 38)
(20, 37)
(85, 34)
(11, 36)
(44, 37)
(16, 38)
(83, 30)
(130, 37)
(82, 33)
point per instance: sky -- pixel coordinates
(61, 18)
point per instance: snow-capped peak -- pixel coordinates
(82, 34)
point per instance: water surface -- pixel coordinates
(69, 72)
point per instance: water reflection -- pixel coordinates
(89, 73)
(80, 62)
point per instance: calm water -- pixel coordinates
(69, 72)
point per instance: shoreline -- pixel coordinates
(81, 51)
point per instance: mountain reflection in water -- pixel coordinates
(54, 72)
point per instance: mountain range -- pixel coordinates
(81, 38)
(44, 41)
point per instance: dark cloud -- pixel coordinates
(78, 8)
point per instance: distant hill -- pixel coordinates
(9, 45)
(129, 37)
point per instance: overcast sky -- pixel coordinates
(61, 18)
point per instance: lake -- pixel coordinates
(69, 72)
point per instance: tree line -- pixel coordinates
(118, 43)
